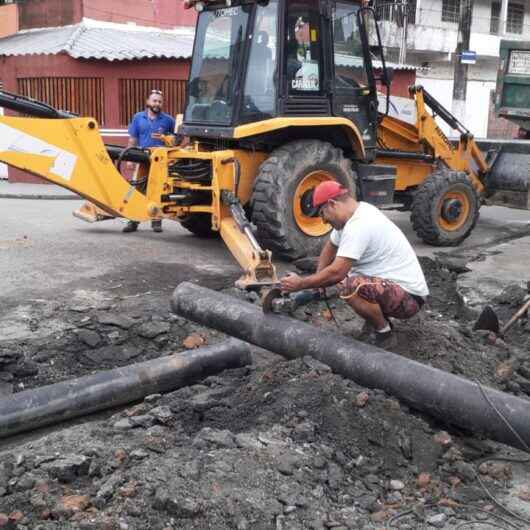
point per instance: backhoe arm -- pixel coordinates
(71, 154)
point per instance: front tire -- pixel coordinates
(445, 208)
(281, 197)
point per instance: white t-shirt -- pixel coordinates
(379, 248)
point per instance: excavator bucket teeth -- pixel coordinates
(71, 154)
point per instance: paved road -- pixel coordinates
(42, 247)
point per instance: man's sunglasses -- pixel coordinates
(157, 92)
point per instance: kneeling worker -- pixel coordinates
(378, 273)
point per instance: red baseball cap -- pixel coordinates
(326, 191)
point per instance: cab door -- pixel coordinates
(353, 87)
(305, 90)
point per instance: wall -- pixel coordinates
(12, 68)
(3, 167)
(400, 83)
(48, 13)
(8, 20)
(160, 13)
(430, 14)
(477, 102)
(432, 35)
(53, 13)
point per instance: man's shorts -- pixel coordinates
(393, 300)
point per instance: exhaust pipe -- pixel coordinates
(52, 404)
(450, 398)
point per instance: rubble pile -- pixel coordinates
(286, 446)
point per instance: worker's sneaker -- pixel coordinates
(156, 226)
(131, 226)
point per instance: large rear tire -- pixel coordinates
(445, 208)
(200, 224)
(281, 197)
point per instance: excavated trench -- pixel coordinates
(278, 445)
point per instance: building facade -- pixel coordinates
(18, 15)
(431, 39)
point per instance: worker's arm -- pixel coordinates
(328, 254)
(330, 275)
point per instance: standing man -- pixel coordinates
(144, 132)
(378, 273)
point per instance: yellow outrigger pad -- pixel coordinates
(91, 213)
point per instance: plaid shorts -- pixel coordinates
(394, 301)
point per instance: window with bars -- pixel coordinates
(80, 95)
(450, 10)
(134, 92)
(495, 20)
(393, 11)
(515, 18)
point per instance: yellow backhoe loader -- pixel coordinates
(281, 96)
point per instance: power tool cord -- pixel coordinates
(328, 305)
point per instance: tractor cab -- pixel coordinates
(264, 61)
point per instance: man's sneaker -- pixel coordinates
(131, 226)
(156, 226)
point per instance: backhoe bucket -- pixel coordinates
(508, 181)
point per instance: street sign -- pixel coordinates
(468, 57)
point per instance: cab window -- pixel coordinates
(350, 71)
(259, 100)
(303, 49)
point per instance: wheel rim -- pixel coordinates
(311, 225)
(454, 210)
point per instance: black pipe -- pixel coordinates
(52, 404)
(450, 398)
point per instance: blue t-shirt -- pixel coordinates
(142, 128)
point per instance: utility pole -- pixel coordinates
(461, 70)
(405, 18)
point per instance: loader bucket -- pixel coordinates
(508, 181)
